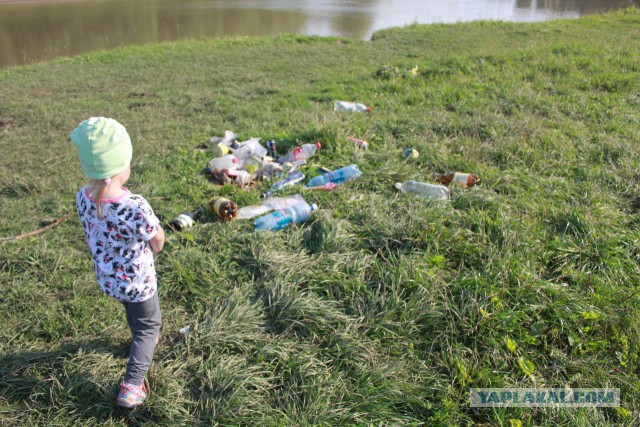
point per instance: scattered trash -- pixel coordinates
(222, 150)
(271, 148)
(249, 149)
(339, 176)
(224, 208)
(359, 143)
(322, 169)
(300, 153)
(228, 140)
(284, 217)
(272, 169)
(410, 153)
(422, 189)
(351, 106)
(329, 186)
(185, 220)
(185, 330)
(464, 180)
(272, 203)
(293, 178)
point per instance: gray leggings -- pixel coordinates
(144, 321)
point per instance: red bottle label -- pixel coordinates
(298, 154)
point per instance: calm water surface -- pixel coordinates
(31, 32)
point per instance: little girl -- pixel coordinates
(123, 234)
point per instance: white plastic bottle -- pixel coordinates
(422, 189)
(351, 106)
(300, 153)
(227, 162)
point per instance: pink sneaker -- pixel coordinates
(131, 396)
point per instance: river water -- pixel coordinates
(36, 31)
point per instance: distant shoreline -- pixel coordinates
(10, 2)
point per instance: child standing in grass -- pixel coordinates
(123, 233)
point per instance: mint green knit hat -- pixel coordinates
(103, 145)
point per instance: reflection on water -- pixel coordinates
(35, 32)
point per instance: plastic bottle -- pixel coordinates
(339, 176)
(300, 153)
(282, 218)
(269, 204)
(185, 220)
(293, 178)
(464, 180)
(227, 162)
(422, 189)
(249, 149)
(351, 106)
(224, 208)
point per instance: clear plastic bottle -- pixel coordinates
(300, 153)
(282, 218)
(339, 176)
(293, 178)
(422, 189)
(227, 162)
(351, 106)
(249, 149)
(272, 203)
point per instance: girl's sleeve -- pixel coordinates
(146, 222)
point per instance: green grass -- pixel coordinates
(382, 310)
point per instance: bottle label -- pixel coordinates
(298, 154)
(461, 178)
(185, 220)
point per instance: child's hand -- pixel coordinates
(157, 242)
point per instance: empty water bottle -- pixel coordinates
(422, 189)
(300, 153)
(293, 178)
(337, 177)
(351, 106)
(282, 218)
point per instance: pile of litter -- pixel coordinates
(249, 162)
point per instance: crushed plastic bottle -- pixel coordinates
(339, 176)
(249, 149)
(300, 153)
(284, 217)
(422, 189)
(351, 106)
(293, 178)
(272, 203)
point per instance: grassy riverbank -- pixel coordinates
(384, 309)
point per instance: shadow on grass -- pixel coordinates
(68, 381)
